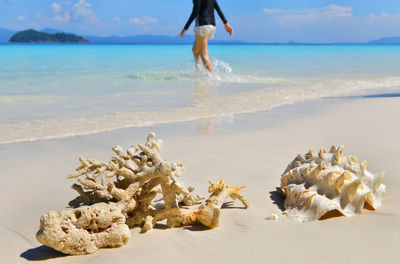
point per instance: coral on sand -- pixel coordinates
(84, 230)
(144, 191)
(325, 184)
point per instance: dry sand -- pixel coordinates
(33, 182)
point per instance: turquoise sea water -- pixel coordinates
(51, 91)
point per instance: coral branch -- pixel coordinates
(208, 214)
(139, 186)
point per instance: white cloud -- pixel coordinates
(327, 12)
(330, 23)
(21, 18)
(61, 18)
(143, 20)
(81, 11)
(337, 11)
(272, 11)
(65, 12)
(56, 7)
(116, 19)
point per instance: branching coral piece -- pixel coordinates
(208, 214)
(145, 190)
(319, 186)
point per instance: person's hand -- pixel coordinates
(228, 29)
(183, 33)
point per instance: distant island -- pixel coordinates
(58, 36)
(31, 36)
(386, 41)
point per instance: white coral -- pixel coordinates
(141, 179)
(84, 230)
(318, 186)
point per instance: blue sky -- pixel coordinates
(252, 20)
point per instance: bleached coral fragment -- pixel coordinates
(329, 184)
(141, 180)
(208, 214)
(84, 230)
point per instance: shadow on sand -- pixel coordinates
(41, 253)
(277, 198)
(196, 228)
(381, 95)
(229, 205)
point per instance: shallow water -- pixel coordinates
(49, 91)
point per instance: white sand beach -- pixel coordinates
(254, 150)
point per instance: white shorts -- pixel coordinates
(206, 31)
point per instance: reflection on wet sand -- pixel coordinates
(202, 95)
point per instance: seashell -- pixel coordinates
(273, 217)
(329, 184)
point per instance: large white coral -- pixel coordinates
(318, 186)
(85, 229)
(144, 190)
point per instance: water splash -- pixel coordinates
(222, 71)
(220, 66)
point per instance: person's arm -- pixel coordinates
(219, 11)
(193, 15)
(228, 27)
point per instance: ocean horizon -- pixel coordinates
(211, 43)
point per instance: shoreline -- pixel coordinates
(251, 149)
(174, 120)
(220, 119)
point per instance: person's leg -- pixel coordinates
(196, 48)
(203, 47)
(196, 51)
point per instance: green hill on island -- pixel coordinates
(31, 35)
